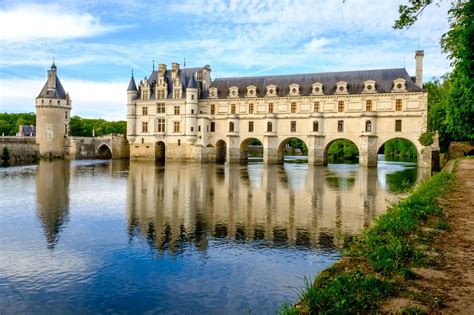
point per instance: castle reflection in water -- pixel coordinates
(190, 204)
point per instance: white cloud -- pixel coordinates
(89, 98)
(29, 22)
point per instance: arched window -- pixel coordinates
(231, 127)
(269, 126)
(368, 126)
(315, 126)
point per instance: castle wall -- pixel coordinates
(21, 149)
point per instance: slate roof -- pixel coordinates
(58, 93)
(131, 85)
(355, 82)
(184, 75)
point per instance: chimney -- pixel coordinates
(174, 70)
(161, 69)
(419, 67)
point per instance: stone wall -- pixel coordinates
(22, 149)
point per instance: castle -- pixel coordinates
(181, 114)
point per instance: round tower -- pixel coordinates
(132, 93)
(191, 107)
(53, 109)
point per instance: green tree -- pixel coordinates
(458, 43)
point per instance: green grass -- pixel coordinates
(379, 260)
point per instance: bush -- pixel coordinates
(426, 138)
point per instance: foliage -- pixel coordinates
(83, 127)
(296, 143)
(457, 110)
(9, 123)
(399, 148)
(378, 261)
(343, 149)
(426, 138)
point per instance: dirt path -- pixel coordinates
(457, 283)
(449, 288)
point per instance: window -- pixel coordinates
(213, 126)
(144, 111)
(368, 105)
(315, 126)
(269, 126)
(250, 108)
(270, 107)
(316, 107)
(144, 126)
(59, 102)
(65, 115)
(179, 141)
(145, 95)
(398, 105)
(176, 110)
(231, 127)
(293, 126)
(160, 125)
(340, 126)
(293, 108)
(176, 94)
(340, 106)
(192, 111)
(160, 108)
(176, 126)
(199, 128)
(368, 126)
(250, 126)
(213, 109)
(192, 129)
(232, 109)
(398, 125)
(161, 94)
(192, 97)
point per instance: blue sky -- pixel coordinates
(96, 43)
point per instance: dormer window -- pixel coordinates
(233, 91)
(213, 92)
(271, 90)
(369, 87)
(251, 91)
(317, 89)
(294, 89)
(399, 85)
(341, 87)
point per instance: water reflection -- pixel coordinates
(52, 196)
(276, 205)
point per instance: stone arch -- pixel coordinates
(282, 148)
(330, 143)
(103, 151)
(413, 143)
(160, 151)
(244, 148)
(221, 151)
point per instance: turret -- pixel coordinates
(132, 93)
(419, 67)
(192, 105)
(53, 107)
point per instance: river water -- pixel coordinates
(134, 237)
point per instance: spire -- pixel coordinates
(153, 65)
(131, 85)
(53, 66)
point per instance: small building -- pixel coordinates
(26, 131)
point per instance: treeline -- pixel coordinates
(399, 148)
(343, 150)
(9, 123)
(80, 127)
(85, 127)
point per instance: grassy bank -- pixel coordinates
(377, 264)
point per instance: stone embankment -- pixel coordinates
(21, 150)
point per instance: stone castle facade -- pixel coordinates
(181, 114)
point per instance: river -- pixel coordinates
(180, 238)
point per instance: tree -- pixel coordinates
(458, 43)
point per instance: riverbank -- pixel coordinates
(415, 258)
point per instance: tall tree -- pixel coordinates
(458, 43)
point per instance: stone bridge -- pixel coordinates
(111, 146)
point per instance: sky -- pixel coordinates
(95, 44)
